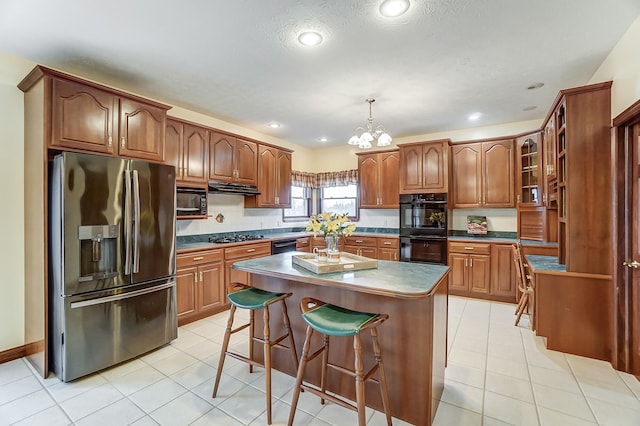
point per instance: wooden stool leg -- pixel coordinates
(359, 372)
(382, 377)
(267, 361)
(251, 336)
(287, 325)
(522, 307)
(325, 362)
(223, 351)
(300, 375)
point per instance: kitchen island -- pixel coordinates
(413, 340)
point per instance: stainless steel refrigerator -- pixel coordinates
(112, 261)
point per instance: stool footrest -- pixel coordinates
(240, 328)
(275, 342)
(245, 359)
(352, 373)
(328, 397)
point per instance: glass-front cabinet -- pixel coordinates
(529, 177)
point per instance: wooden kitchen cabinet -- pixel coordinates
(303, 244)
(186, 148)
(388, 248)
(232, 159)
(274, 178)
(470, 269)
(242, 252)
(503, 273)
(361, 245)
(88, 117)
(532, 223)
(483, 174)
(200, 284)
(424, 167)
(378, 179)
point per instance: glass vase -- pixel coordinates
(333, 253)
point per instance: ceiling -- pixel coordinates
(240, 60)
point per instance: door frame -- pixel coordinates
(626, 297)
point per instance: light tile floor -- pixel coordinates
(498, 374)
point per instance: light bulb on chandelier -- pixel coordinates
(363, 137)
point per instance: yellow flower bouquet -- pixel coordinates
(330, 224)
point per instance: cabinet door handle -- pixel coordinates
(466, 263)
(201, 276)
(195, 277)
(468, 248)
(470, 263)
(198, 258)
(250, 250)
(387, 243)
(395, 256)
(122, 142)
(110, 141)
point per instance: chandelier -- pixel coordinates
(363, 137)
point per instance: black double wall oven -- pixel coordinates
(423, 228)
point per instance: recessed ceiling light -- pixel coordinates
(310, 38)
(274, 125)
(535, 86)
(474, 117)
(529, 108)
(323, 139)
(393, 8)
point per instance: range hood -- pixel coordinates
(233, 188)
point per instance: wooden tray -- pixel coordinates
(348, 262)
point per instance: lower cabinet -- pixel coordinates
(482, 270)
(388, 248)
(361, 246)
(303, 244)
(200, 285)
(241, 252)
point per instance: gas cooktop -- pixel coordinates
(235, 238)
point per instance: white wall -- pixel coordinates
(12, 70)
(622, 65)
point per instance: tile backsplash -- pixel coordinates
(237, 218)
(501, 220)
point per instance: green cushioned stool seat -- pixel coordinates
(252, 298)
(336, 321)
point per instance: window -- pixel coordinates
(300, 204)
(340, 199)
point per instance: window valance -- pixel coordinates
(325, 179)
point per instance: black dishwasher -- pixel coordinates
(283, 246)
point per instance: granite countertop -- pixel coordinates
(545, 263)
(395, 279)
(268, 237)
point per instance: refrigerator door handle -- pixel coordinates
(127, 221)
(114, 298)
(136, 222)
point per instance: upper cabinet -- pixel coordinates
(583, 178)
(483, 174)
(186, 147)
(232, 159)
(529, 155)
(378, 179)
(424, 167)
(85, 117)
(274, 178)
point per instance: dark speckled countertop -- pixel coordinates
(199, 242)
(395, 279)
(545, 263)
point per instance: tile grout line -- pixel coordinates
(593, 413)
(526, 360)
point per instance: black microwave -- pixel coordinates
(191, 202)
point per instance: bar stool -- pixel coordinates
(245, 297)
(333, 320)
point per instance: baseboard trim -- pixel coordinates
(21, 351)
